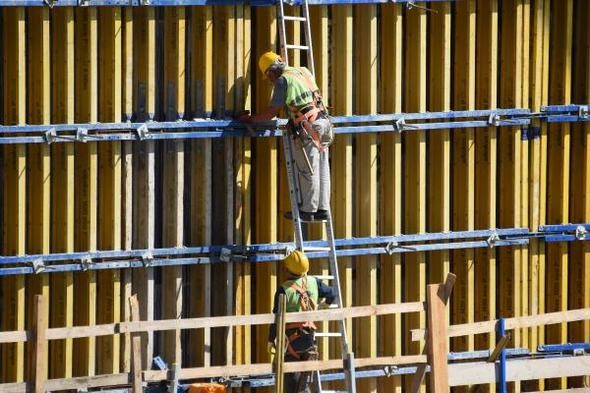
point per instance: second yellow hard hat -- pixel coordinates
(297, 263)
(266, 60)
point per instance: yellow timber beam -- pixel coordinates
(14, 188)
(391, 183)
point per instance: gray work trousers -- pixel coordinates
(314, 186)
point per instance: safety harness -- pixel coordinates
(306, 303)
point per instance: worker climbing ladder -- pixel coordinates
(347, 356)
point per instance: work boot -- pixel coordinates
(320, 215)
(303, 215)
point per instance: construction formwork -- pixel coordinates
(141, 180)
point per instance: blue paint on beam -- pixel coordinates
(164, 3)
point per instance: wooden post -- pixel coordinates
(39, 347)
(280, 355)
(437, 349)
(135, 348)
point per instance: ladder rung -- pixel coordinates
(300, 47)
(328, 334)
(328, 277)
(295, 18)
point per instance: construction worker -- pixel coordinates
(303, 293)
(296, 90)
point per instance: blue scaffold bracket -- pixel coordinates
(576, 349)
(565, 232)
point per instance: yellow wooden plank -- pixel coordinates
(173, 180)
(109, 187)
(415, 168)
(391, 183)
(266, 181)
(558, 188)
(15, 180)
(341, 94)
(62, 285)
(366, 180)
(86, 184)
(39, 163)
(485, 167)
(202, 102)
(439, 159)
(464, 169)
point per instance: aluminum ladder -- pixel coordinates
(347, 355)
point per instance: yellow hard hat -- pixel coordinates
(266, 60)
(297, 263)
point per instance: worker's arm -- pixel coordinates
(272, 333)
(326, 292)
(279, 94)
(266, 115)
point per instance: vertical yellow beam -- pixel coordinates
(439, 159)
(464, 168)
(415, 167)
(144, 54)
(202, 94)
(39, 163)
(558, 188)
(86, 184)
(509, 171)
(537, 159)
(341, 94)
(15, 181)
(62, 285)
(391, 183)
(173, 179)
(109, 187)
(485, 166)
(366, 181)
(579, 274)
(266, 182)
(243, 167)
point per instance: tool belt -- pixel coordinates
(305, 338)
(311, 124)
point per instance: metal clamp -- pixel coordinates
(82, 134)
(50, 3)
(399, 124)
(581, 232)
(391, 246)
(50, 135)
(390, 371)
(147, 258)
(225, 255)
(492, 240)
(86, 263)
(583, 112)
(411, 4)
(142, 132)
(38, 265)
(494, 119)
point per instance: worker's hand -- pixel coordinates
(244, 117)
(323, 306)
(272, 350)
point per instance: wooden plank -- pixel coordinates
(366, 181)
(437, 347)
(415, 166)
(265, 175)
(144, 31)
(341, 94)
(39, 343)
(518, 370)
(109, 187)
(136, 350)
(62, 284)
(86, 184)
(485, 166)
(464, 168)
(173, 179)
(558, 187)
(39, 161)
(560, 317)
(15, 180)
(439, 160)
(391, 182)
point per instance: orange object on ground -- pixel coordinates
(206, 388)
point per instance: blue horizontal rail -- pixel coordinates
(208, 128)
(164, 3)
(272, 252)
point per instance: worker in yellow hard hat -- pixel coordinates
(296, 90)
(303, 293)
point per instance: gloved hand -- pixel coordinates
(272, 350)
(244, 116)
(323, 306)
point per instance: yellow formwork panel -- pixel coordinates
(415, 170)
(109, 183)
(390, 337)
(14, 189)
(39, 161)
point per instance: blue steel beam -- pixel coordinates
(164, 3)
